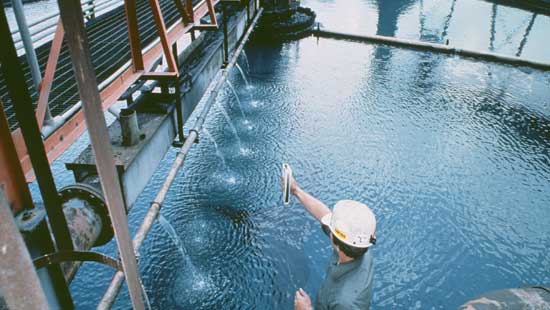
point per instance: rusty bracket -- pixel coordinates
(76, 256)
(213, 21)
(165, 78)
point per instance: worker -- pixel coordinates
(351, 227)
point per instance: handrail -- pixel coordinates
(47, 25)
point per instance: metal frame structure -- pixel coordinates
(142, 62)
(25, 152)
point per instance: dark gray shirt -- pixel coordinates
(347, 286)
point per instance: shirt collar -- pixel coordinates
(338, 270)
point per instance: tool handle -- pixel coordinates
(287, 173)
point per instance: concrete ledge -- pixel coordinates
(435, 47)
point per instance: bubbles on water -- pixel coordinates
(256, 103)
(247, 125)
(223, 181)
(193, 289)
(245, 151)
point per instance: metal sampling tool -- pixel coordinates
(287, 174)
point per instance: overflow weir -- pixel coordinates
(148, 63)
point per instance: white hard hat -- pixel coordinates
(353, 223)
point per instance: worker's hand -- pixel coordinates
(302, 301)
(293, 185)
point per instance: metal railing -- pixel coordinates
(43, 29)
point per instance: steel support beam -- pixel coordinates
(77, 40)
(24, 112)
(21, 287)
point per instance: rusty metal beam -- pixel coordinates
(133, 33)
(71, 16)
(21, 287)
(12, 179)
(211, 12)
(161, 29)
(190, 9)
(47, 81)
(185, 11)
(214, 22)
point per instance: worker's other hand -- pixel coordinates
(302, 301)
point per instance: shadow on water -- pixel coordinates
(388, 15)
(529, 125)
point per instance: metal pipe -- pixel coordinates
(34, 32)
(36, 22)
(27, 42)
(435, 47)
(129, 127)
(30, 54)
(116, 283)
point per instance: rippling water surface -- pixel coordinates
(451, 154)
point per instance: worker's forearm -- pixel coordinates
(313, 205)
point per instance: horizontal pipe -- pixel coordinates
(86, 5)
(435, 47)
(36, 22)
(154, 209)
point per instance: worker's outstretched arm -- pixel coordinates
(313, 205)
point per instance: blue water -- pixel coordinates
(452, 155)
